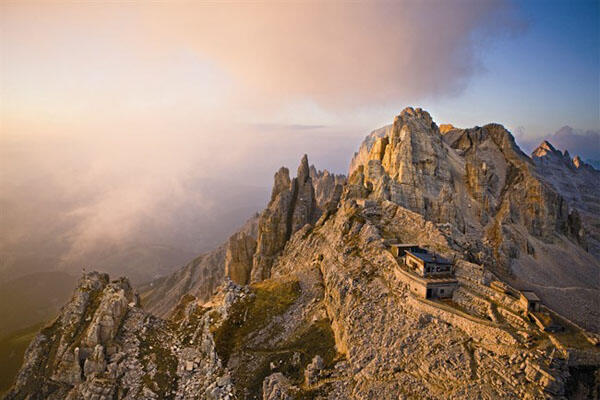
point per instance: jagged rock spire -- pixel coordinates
(545, 148)
(303, 170)
(293, 205)
(281, 182)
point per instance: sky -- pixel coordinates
(163, 123)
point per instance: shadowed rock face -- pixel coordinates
(328, 187)
(304, 300)
(577, 183)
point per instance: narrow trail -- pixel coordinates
(565, 288)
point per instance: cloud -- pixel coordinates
(341, 54)
(584, 143)
(248, 59)
(138, 204)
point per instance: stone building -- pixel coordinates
(427, 264)
(529, 301)
(400, 249)
(427, 274)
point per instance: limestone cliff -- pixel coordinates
(362, 155)
(477, 179)
(238, 259)
(496, 200)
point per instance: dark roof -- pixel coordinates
(430, 257)
(531, 296)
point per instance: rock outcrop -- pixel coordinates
(361, 157)
(477, 179)
(328, 187)
(277, 221)
(238, 258)
(80, 348)
(293, 205)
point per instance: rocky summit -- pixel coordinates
(447, 265)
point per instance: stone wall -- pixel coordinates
(490, 335)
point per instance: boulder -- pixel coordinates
(278, 387)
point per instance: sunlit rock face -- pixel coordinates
(306, 299)
(238, 259)
(361, 157)
(500, 204)
(476, 179)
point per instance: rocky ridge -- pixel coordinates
(576, 181)
(319, 312)
(500, 206)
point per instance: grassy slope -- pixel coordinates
(246, 340)
(12, 349)
(26, 304)
(33, 298)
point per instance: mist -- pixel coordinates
(136, 136)
(144, 204)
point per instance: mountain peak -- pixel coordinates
(303, 169)
(545, 148)
(547, 145)
(445, 128)
(281, 182)
(410, 113)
